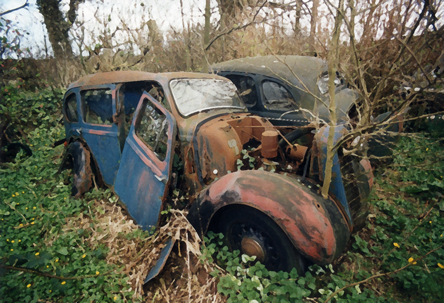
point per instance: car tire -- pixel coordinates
(249, 230)
(81, 168)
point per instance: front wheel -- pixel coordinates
(255, 234)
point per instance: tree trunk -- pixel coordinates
(313, 23)
(297, 22)
(227, 8)
(57, 26)
(186, 39)
(206, 36)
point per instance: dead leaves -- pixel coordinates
(184, 277)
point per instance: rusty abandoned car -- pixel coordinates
(126, 129)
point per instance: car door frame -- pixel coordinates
(142, 181)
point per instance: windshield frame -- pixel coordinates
(190, 113)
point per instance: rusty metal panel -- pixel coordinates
(164, 254)
(142, 178)
(133, 76)
(105, 148)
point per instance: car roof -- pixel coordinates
(134, 76)
(289, 68)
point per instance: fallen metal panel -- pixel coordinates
(162, 260)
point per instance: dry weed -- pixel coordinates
(184, 278)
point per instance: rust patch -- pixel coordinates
(98, 132)
(368, 171)
(269, 144)
(296, 152)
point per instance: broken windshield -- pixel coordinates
(195, 95)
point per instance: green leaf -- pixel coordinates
(63, 251)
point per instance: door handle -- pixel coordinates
(161, 178)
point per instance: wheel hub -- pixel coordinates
(252, 247)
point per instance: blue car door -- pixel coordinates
(98, 107)
(145, 167)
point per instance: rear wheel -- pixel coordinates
(255, 234)
(81, 167)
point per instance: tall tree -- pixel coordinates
(206, 35)
(227, 9)
(297, 23)
(57, 26)
(313, 23)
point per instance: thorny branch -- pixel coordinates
(394, 67)
(416, 59)
(372, 126)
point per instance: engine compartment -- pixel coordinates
(231, 143)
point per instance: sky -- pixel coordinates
(28, 19)
(166, 13)
(95, 16)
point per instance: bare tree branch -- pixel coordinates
(14, 9)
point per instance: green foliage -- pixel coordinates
(35, 206)
(410, 226)
(419, 165)
(245, 280)
(26, 109)
(247, 161)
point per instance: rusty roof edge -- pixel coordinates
(134, 76)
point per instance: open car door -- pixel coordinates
(145, 168)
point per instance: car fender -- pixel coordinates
(314, 225)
